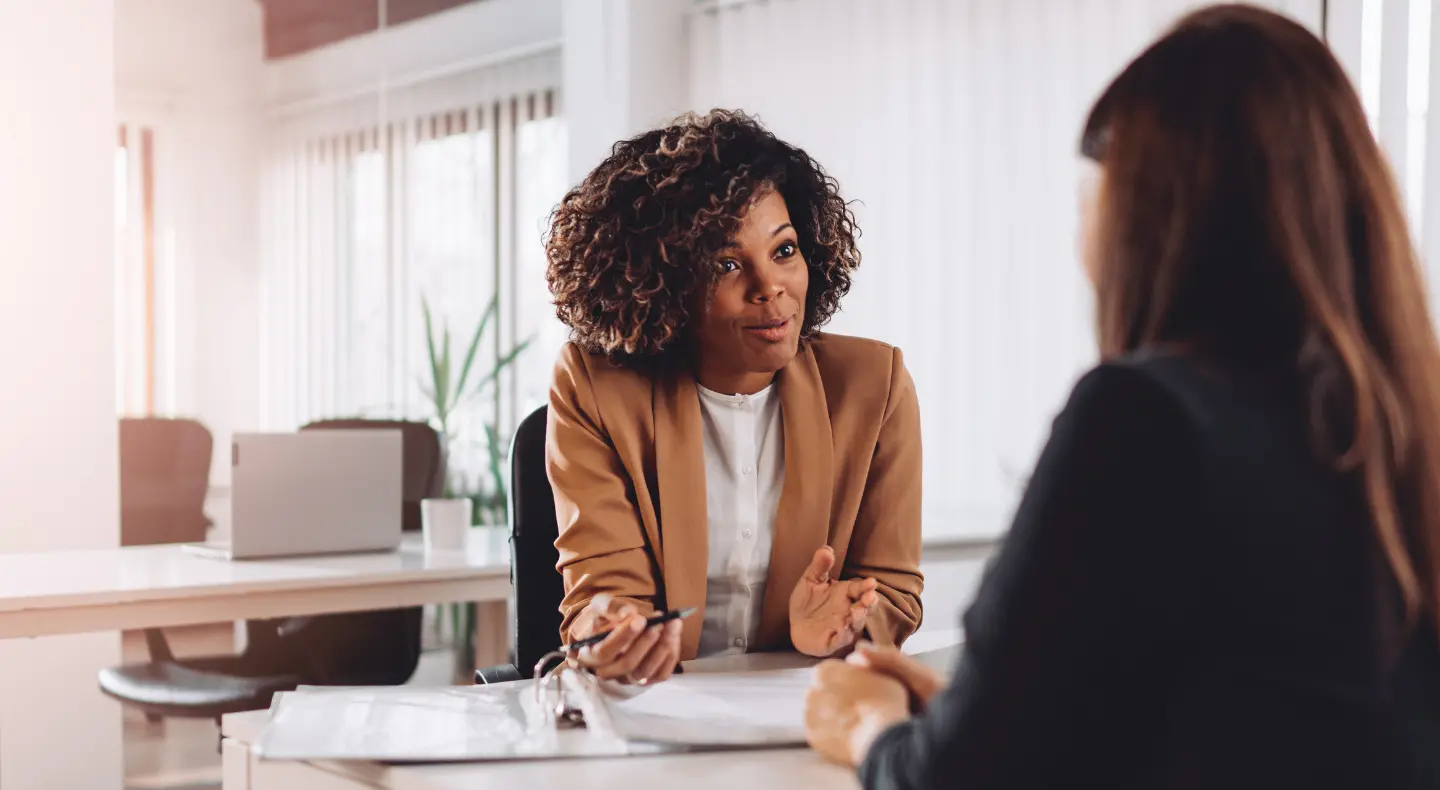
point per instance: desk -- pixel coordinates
(72, 592)
(75, 592)
(773, 769)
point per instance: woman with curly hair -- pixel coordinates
(708, 446)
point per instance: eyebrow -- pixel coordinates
(732, 245)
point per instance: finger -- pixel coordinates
(820, 565)
(661, 658)
(919, 679)
(625, 664)
(843, 638)
(674, 632)
(615, 644)
(858, 615)
(859, 588)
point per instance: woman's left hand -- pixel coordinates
(826, 614)
(848, 707)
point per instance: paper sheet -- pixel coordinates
(717, 710)
(409, 724)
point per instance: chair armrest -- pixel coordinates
(500, 673)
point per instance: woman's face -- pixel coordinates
(1087, 241)
(750, 326)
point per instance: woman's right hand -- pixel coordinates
(921, 681)
(632, 653)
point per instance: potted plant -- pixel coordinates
(448, 390)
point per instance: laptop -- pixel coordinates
(312, 492)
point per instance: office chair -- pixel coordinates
(353, 649)
(537, 587)
(164, 477)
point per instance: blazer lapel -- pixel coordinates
(802, 519)
(680, 481)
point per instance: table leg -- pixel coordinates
(52, 711)
(234, 765)
(492, 633)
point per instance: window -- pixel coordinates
(367, 226)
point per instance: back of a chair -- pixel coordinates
(164, 476)
(538, 586)
(382, 647)
(424, 462)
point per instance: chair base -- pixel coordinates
(501, 673)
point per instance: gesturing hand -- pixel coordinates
(827, 615)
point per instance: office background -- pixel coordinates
(236, 211)
(305, 205)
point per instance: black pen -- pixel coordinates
(664, 617)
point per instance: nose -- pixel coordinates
(767, 286)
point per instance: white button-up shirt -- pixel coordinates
(744, 474)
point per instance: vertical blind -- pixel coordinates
(954, 124)
(364, 224)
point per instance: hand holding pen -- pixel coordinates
(617, 643)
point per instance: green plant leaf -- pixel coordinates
(435, 388)
(475, 344)
(506, 360)
(497, 474)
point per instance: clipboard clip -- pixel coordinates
(554, 705)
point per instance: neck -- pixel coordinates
(731, 383)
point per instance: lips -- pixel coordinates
(771, 331)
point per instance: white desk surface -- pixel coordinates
(777, 769)
(152, 586)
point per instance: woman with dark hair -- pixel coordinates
(708, 446)
(1224, 570)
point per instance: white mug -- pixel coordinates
(444, 523)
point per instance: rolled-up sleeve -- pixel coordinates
(601, 542)
(885, 544)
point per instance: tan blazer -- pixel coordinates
(626, 460)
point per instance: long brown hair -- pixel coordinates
(1246, 211)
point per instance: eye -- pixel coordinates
(786, 250)
(729, 265)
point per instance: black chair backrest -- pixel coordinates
(538, 586)
(424, 464)
(372, 648)
(164, 476)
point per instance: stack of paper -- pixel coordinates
(504, 722)
(408, 724)
(742, 709)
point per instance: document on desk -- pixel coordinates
(719, 710)
(407, 724)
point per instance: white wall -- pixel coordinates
(192, 71)
(58, 462)
(626, 70)
(955, 126)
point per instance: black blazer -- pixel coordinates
(1188, 598)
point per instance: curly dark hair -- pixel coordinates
(635, 247)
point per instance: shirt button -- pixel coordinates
(747, 533)
(746, 469)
